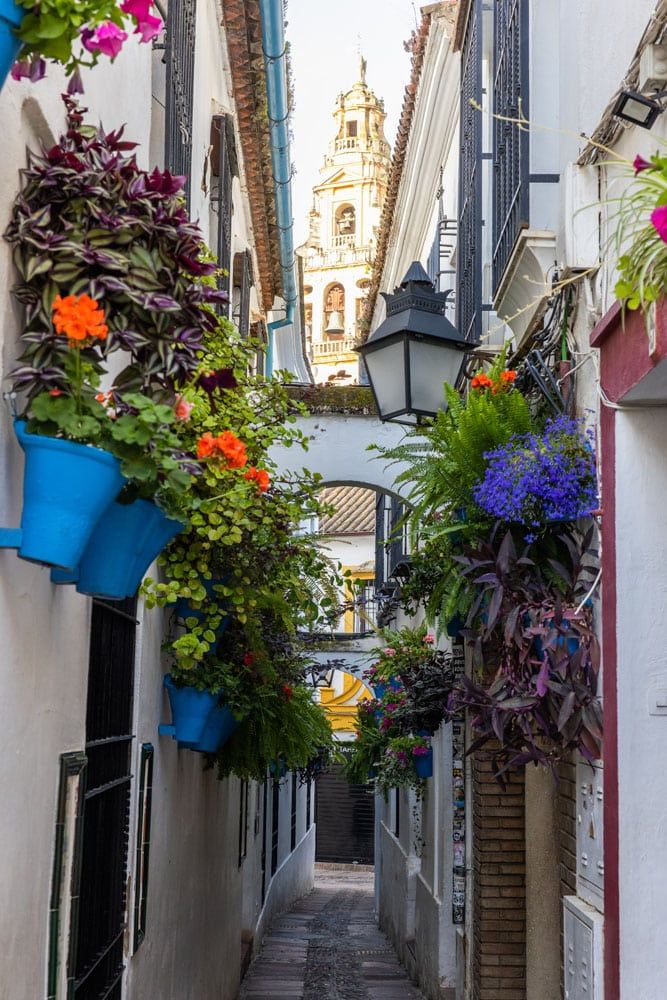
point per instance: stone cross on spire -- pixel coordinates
(363, 65)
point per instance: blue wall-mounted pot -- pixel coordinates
(11, 16)
(380, 689)
(190, 710)
(125, 542)
(184, 608)
(66, 489)
(424, 764)
(219, 726)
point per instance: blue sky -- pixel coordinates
(324, 38)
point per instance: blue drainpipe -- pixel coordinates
(275, 63)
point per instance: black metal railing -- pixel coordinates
(224, 169)
(392, 549)
(102, 894)
(469, 247)
(180, 57)
(511, 194)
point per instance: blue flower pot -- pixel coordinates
(184, 608)
(219, 726)
(424, 764)
(454, 626)
(66, 489)
(190, 710)
(11, 16)
(124, 544)
(395, 684)
(380, 689)
(278, 770)
(572, 645)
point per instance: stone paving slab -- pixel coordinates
(329, 948)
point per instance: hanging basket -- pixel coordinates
(424, 764)
(125, 542)
(66, 489)
(219, 726)
(11, 16)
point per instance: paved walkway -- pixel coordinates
(329, 948)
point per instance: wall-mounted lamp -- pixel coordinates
(638, 109)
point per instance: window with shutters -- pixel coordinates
(511, 196)
(241, 295)
(469, 248)
(180, 59)
(224, 168)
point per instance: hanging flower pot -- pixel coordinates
(219, 726)
(184, 609)
(380, 689)
(66, 489)
(125, 542)
(424, 763)
(190, 709)
(278, 769)
(11, 16)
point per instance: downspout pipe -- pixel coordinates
(275, 64)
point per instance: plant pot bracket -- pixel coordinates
(167, 730)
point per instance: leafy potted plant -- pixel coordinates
(406, 762)
(74, 33)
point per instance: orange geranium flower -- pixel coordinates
(508, 377)
(225, 445)
(482, 381)
(260, 476)
(79, 318)
(233, 449)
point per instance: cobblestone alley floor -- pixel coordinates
(328, 947)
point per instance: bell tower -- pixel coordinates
(344, 222)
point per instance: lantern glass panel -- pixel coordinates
(431, 365)
(386, 371)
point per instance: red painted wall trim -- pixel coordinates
(612, 977)
(624, 348)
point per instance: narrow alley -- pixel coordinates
(328, 947)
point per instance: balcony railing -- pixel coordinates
(342, 145)
(347, 240)
(332, 347)
(342, 255)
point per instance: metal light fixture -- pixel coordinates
(415, 351)
(638, 109)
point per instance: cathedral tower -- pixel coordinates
(344, 221)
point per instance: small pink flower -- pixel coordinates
(420, 751)
(641, 164)
(33, 69)
(108, 39)
(148, 25)
(430, 638)
(389, 651)
(183, 409)
(659, 220)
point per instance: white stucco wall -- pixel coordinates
(43, 629)
(641, 593)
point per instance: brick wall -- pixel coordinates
(499, 875)
(567, 808)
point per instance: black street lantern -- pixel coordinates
(415, 351)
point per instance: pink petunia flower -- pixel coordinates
(641, 164)
(659, 220)
(107, 39)
(389, 651)
(148, 25)
(33, 69)
(430, 638)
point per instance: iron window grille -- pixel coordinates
(243, 282)
(275, 826)
(224, 169)
(243, 822)
(102, 897)
(293, 811)
(469, 247)
(180, 57)
(143, 842)
(511, 189)
(309, 799)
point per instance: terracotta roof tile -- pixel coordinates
(354, 514)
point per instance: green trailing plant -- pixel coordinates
(640, 234)
(396, 766)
